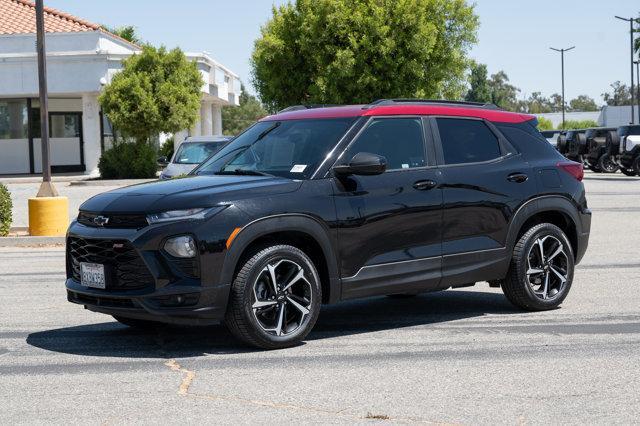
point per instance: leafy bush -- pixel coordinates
(166, 150)
(575, 124)
(5, 211)
(544, 124)
(128, 161)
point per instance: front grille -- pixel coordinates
(121, 221)
(124, 267)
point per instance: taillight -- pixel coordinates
(574, 169)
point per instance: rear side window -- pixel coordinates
(467, 141)
(399, 140)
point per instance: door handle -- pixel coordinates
(517, 177)
(425, 185)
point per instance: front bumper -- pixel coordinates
(170, 294)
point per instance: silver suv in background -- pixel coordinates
(193, 151)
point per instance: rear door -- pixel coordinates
(389, 225)
(484, 180)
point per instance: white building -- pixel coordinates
(81, 59)
(608, 116)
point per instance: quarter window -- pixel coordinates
(467, 141)
(399, 140)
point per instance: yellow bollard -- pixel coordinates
(48, 216)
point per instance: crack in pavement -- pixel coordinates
(189, 376)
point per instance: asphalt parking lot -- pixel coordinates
(463, 356)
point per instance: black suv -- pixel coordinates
(629, 149)
(320, 205)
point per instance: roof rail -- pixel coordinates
(384, 102)
(302, 107)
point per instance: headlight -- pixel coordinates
(182, 246)
(190, 214)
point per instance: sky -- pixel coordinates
(514, 36)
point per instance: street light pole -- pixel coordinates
(638, 85)
(631, 21)
(46, 188)
(562, 62)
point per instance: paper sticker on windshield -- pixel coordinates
(298, 168)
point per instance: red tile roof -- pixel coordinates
(19, 17)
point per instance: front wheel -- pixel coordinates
(606, 164)
(541, 270)
(628, 172)
(275, 298)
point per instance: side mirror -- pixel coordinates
(363, 164)
(163, 161)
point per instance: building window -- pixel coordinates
(13, 119)
(65, 125)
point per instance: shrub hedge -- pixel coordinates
(128, 161)
(5, 211)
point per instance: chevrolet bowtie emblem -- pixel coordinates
(100, 220)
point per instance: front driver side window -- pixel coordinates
(399, 140)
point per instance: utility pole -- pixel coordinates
(638, 84)
(631, 21)
(48, 213)
(562, 62)
(46, 188)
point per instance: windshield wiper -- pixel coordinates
(243, 172)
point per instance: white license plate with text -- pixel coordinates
(92, 275)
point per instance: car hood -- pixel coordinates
(186, 193)
(174, 169)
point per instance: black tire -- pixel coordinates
(636, 165)
(606, 164)
(628, 172)
(517, 286)
(594, 169)
(240, 317)
(137, 323)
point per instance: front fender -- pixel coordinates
(285, 223)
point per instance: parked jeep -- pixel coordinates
(629, 149)
(597, 157)
(561, 145)
(576, 145)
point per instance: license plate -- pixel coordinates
(92, 275)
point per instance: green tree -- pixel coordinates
(536, 104)
(236, 119)
(583, 103)
(156, 91)
(544, 124)
(480, 90)
(503, 94)
(128, 32)
(350, 51)
(555, 101)
(620, 95)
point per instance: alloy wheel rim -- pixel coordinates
(547, 267)
(282, 298)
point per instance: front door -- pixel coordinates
(65, 142)
(484, 181)
(389, 225)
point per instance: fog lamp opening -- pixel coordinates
(183, 247)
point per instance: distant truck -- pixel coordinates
(597, 157)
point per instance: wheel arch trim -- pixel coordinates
(292, 222)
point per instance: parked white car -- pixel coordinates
(193, 151)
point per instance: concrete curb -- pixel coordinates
(31, 241)
(115, 182)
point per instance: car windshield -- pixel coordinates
(196, 152)
(291, 149)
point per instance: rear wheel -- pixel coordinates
(275, 298)
(606, 164)
(541, 270)
(636, 165)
